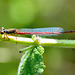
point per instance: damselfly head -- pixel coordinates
(2, 30)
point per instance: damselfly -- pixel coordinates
(50, 31)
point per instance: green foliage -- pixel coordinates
(32, 62)
(25, 49)
(22, 11)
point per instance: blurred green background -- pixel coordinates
(37, 14)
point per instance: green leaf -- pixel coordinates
(32, 62)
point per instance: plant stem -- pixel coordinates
(42, 41)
